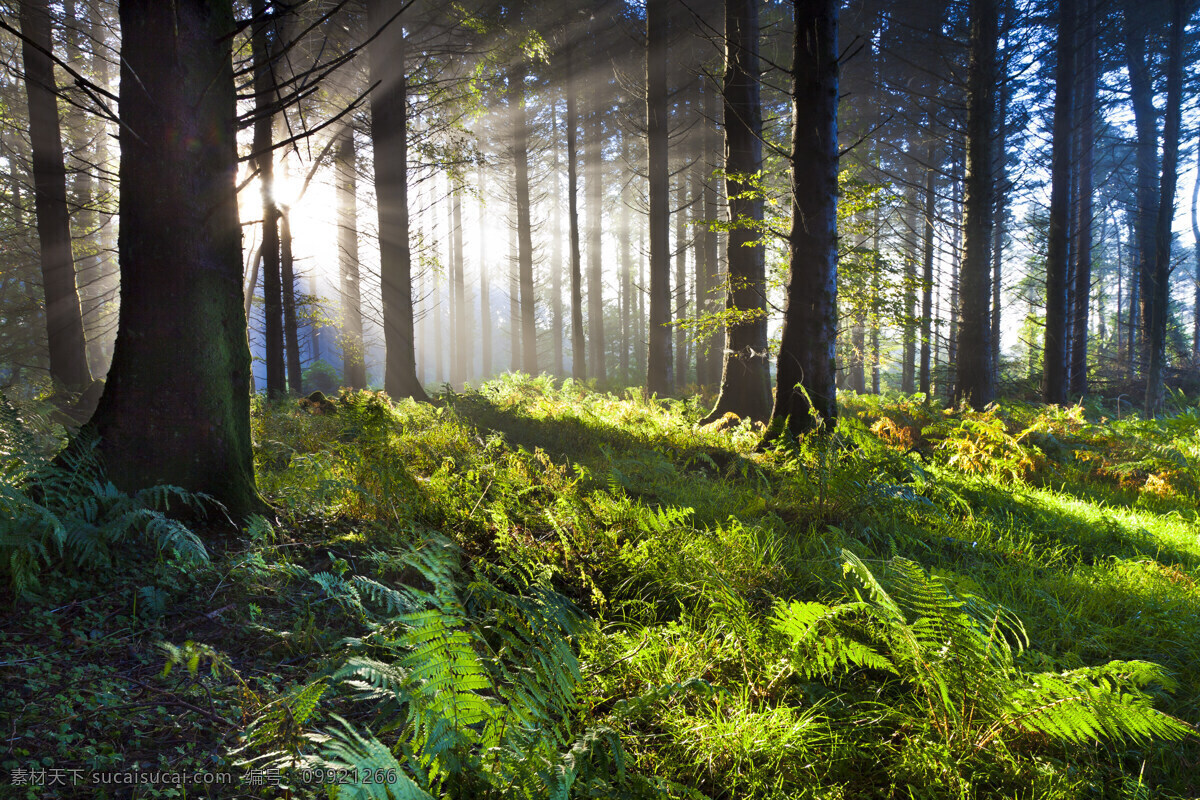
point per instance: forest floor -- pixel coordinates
(536, 590)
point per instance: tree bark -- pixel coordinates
(975, 380)
(556, 255)
(176, 406)
(64, 319)
(88, 275)
(660, 378)
(1054, 354)
(291, 328)
(520, 133)
(713, 345)
(927, 270)
(389, 134)
(1000, 184)
(354, 370)
(745, 377)
(593, 156)
(463, 351)
(1156, 335)
(264, 97)
(681, 298)
(908, 378)
(1141, 95)
(626, 237)
(578, 343)
(485, 291)
(805, 395)
(1196, 256)
(1085, 102)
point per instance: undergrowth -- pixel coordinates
(534, 590)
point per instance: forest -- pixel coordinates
(616, 399)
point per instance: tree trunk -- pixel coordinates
(745, 378)
(354, 370)
(641, 345)
(1196, 255)
(593, 157)
(1086, 113)
(108, 289)
(463, 351)
(1054, 354)
(578, 343)
(927, 271)
(88, 275)
(681, 298)
(1145, 116)
(485, 291)
(264, 97)
(1161, 276)
(975, 380)
(64, 319)
(176, 406)
(714, 343)
(805, 396)
(556, 255)
(520, 134)
(1000, 182)
(626, 237)
(908, 377)
(660, 378)
(389, 134)
(1131, 317)
(291, 328)
(514, 290)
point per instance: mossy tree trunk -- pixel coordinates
(176, 406)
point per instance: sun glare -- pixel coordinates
(312, 212)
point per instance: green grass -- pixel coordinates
(678, 546)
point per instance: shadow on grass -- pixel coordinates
(598, 444)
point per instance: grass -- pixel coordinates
(678, 545)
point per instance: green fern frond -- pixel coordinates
(344, 749)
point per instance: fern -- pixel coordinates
(381, 776)
(67, 511)
(957, 657)
(475, 685)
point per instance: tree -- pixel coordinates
(264, 119)
(354, 370)
(660, 378)
(176, 405)
(1085, 109)
(64, 320)
(389, 135)
(975, 380)
(578, 344)
(806, 391)
(520, 137)
(1141, 96)
(745, 378)
(593, 161)
(1158, 286)
(1054, 358)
